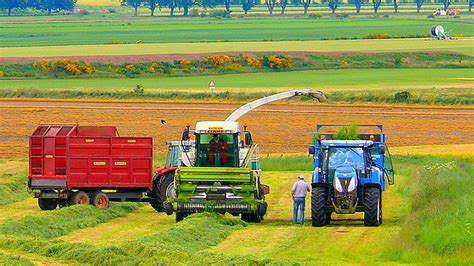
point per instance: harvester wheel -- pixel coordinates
(79, 197)
(180, 216)
(372, 207)
(251, 217)
(47, 204)
(100, 200)
(318, 202)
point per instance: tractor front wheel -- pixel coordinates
(372, 207)
(318, 204)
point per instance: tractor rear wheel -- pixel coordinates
(47, 204)
(372, 207)
(318, 204)
(79, 197)
(328, 217)
(100, 200)
(163, 188)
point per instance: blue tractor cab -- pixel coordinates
(349, 175)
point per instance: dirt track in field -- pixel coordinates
(278, 128)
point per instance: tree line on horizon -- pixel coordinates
(185, 5)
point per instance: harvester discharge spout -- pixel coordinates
(241, 111)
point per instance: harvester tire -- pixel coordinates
(251, 217)
(372, 207)
(47, 204)
(100, 200)
(79, 197)
(318, 202)
(180, 216)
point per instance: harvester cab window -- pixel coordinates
(217, 150)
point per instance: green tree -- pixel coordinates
(376, 4)
(135, 4)
(270, 5)
(50, 5)
(358, 5)
(283, 4)
(152, 4)
(247, 5)
(186, 4)
(333, 4)
(11, 4)
(306, 4)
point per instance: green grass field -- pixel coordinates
(213, 30)
(129, 233)
(327, 80)
(463, 45)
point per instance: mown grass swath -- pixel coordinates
(6, 259)
(13, 182)
(184, 242)
(63, 221)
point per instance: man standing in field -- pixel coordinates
(298, 192)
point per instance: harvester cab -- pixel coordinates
(349, 175)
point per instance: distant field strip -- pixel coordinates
(462, 45)
(327, 80)
(191, 30)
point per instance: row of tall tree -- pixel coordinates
(270, 4)
(44, 5)
(185, 5)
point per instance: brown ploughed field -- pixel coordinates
(282, 128)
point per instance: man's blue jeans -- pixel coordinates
(298, 203)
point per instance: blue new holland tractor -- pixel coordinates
(349, 175)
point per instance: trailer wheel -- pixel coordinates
(47, 204)
(318, 202)
(79, 197)
(100, 200)
(372, 207)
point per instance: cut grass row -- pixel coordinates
(429, 191)
(13, 182)
(461, 45)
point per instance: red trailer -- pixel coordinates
(72, 164)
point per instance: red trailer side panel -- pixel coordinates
(89, 158)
